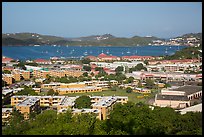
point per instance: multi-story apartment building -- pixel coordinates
(50, 101)
(16, 75)
(101, 105)
(28, 105)
(105, 104)
(8, 78)
(66, 103)
(25, 74)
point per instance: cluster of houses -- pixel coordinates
(188, 41)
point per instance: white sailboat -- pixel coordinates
(85, 53)
(128, 51)
(166, 51)
(107, 51)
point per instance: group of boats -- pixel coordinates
(107, 51)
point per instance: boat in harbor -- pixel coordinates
(85, 53)
(36, 45)
(128, 51)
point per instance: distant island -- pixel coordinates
(32, 39)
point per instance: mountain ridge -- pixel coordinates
(29, 39)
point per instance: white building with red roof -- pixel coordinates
(6, 60)
(104, 57)
(137, 58)
(93, 58)
(42, 61)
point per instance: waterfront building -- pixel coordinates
(137, 58)
(42, 61)
(6, 60)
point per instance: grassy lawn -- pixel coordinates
(120, 92)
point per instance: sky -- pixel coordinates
(121, 19)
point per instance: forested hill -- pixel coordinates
(10, 39)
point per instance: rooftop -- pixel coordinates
(172, 97)
(106, 101)
(84, 88)
(189, 89)
(195, 108)
(29, 101)
(68, 101)
(7, 110)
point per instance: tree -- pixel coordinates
(86, 61)
(146, 62)
(27, 91)
(85, 74)
(51, 92)
(128, 90)
(119, 69)
(7, 72)
(4, 83)
(167, 85)
(130, 79)
(149, 83)
(87, 68)
(83, 102)
(98, 69)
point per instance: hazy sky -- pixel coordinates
(122, 19)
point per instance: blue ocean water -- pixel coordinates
(46, 51)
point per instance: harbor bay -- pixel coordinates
(77, 52)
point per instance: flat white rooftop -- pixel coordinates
(195, 108)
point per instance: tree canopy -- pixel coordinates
(83, 102)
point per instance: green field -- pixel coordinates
(120, 92)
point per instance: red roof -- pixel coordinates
(102, 55)
(136, 57)
(199, 75)
(6, 59)
(91, 57)
(41, 60)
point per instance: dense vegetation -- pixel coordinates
(83, 102)
(127, 119)
(186, 53)
(27, 91)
